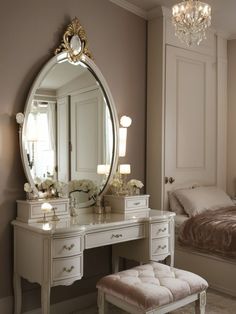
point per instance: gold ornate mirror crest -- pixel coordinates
(74, 42)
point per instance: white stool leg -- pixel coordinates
(200, 304)
(102, 304)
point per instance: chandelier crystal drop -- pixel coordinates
(191, 18)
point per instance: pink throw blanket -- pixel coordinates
(213, 231)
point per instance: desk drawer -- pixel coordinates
(123, 204)
(160, 246)
(67, 246)
(159, 229)
(136, 203)
(30, 211)
(132, 214)
(65, 268)
(123, 234)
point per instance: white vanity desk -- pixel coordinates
(55, 257)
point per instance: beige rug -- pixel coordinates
(217, 303)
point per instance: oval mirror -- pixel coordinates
(69, 133)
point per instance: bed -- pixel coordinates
(199, 206)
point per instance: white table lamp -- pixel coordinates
(46, 208)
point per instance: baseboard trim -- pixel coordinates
(65, 307)
(227, 291)
(68, 306)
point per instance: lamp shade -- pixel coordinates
(125, 169)
(46, 207)
(103, 169)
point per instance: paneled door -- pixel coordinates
(87, 118)
(190, 118)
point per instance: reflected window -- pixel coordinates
(40, 139)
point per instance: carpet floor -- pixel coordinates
(217, 303)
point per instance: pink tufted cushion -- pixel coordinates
(152, 285)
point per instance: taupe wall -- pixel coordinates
(231, 168)
(29, 32)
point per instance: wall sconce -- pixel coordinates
(125, 122)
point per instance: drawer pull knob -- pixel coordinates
(117, 236)
(161, 247)
(137, 203)
(68, 270)
(162, 230)
(68, 248)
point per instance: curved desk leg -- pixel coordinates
(17, 293)
(115, 262)
(45, 298)
(170, 259)
(172, 242)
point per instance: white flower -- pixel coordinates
(135, 183)
(37, 181)
(47, 184)
(86, 186)
(27, 187)
(61, 187)
(116, 183)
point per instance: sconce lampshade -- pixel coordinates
(125, 121)
(122, 141)
(124, 169)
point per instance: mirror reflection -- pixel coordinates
(68, 136)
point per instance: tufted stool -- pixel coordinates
(152, 289)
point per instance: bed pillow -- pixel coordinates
(174, 203)
(196, 201)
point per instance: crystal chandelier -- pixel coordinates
(191, 18)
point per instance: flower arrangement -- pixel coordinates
(116, 184)
(134, 186)
(135, 183)
(49, 188)
(30, 194)
(87, 186)
(28, 188)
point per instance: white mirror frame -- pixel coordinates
(62, 57)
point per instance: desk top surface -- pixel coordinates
(90, 222)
